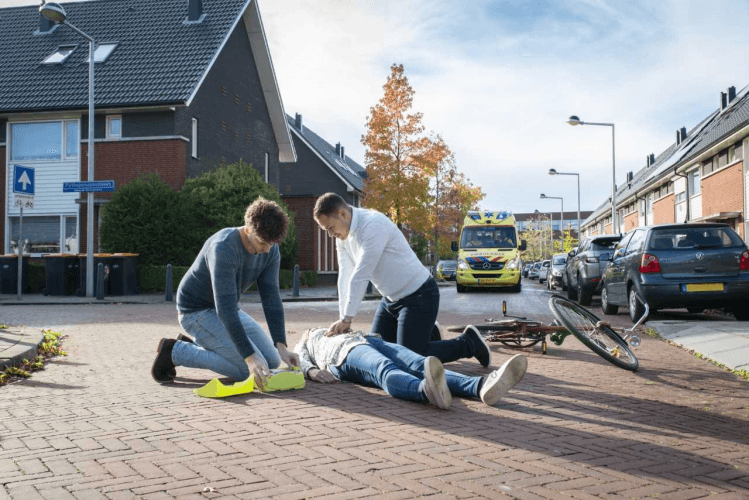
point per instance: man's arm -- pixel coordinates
(345, 267)
(270, 296)
(372, 244)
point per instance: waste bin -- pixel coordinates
(104, 258)
(62, 273)
(9, 273)
(123, 276)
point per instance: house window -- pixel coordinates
(36, 141)
(681, 197)
(114, 126)
(102, 52)
(60, 55)
(722, 159)
(650, 204)
(72, 140)
(41, 234)
(738, 152)
(707, 167)
(694, 182)
(194, 138)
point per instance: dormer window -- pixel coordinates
(102, 51)
(60, 55)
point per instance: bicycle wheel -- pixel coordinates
(600, 339)
(507, 334)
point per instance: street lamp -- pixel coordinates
(553, 171)
(575, 120)
(55, 13)
(561, 222)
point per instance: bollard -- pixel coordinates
(100, 281)
(168, 296)
(296, 281)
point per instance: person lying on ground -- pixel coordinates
(367, 359)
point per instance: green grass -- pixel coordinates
(50, 347)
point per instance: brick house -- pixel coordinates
(702, 176)
(320, 168)
(181, 86)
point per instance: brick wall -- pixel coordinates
(724, 192)
(607, 229)
(306, 231)
(663, 210)
(630, 221)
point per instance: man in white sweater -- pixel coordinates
(370, 247)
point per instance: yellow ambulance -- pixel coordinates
(488, 251)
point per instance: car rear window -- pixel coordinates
(694, 237)
(558, 261)
(603, 244)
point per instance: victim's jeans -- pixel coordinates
(213, 348)
(398, 371)
(409, 322)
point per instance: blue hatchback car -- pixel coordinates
(695, 266)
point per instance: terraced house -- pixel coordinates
(181, 87)
(700, 177)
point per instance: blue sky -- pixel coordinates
(497, 79)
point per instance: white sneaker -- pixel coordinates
(435, 383)
(498, 382)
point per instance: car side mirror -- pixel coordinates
(523, 245)
(454, 246)
(571, 253)
(617, 253)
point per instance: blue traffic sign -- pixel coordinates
(23, 180)
(88, 187)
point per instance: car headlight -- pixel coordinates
(513, 264)
(556, 272)
(462, 264)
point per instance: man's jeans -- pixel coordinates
(409, 322)
(398, 371)
(213, 348)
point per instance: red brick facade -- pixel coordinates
(663, 210)
(313, 254)
(630, 221)
(723, 191)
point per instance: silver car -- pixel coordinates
(585, 266)
(555, 271)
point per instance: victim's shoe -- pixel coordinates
(498, 382)
(479, 348)
(435, 383)
(162, 365)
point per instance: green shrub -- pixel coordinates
(285, 278)
(308, 278)
(153, 278)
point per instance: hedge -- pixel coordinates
(153, 278)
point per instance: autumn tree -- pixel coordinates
(397, 156)
(457, 197)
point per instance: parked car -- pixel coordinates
(446, 270)
(696, 266)
(545, 265)
(585, 267)
(526, 268)
(535, 270)
(554, 272)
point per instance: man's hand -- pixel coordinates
(338, 328)
(322, 376)
(289, 357)
(258, 366)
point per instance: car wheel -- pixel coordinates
(460, 288)
(584, 295)
(636, 308)
(571, 292)
(695, 310)
(740, 313)
(607, 308)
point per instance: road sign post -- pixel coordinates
(23, 190)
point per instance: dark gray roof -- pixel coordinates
(346, 167)
(159, 59)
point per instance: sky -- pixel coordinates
(498, 80)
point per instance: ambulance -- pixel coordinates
(488, 251)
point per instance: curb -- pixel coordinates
(19, 344)
(110, 301)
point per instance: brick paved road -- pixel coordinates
(94, 425)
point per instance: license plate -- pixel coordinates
(487, 281)
(704, 287)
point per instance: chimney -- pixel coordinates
(681, 134)
(652, 159)
(343, 152)
(194, 10)
(298, 122)
(723, 101)
(338, 149)
(630, 176)
(45, 25)
(731, 93)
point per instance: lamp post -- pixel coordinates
(575, 120)
(553, 171)
(561, 223)
(55, 13)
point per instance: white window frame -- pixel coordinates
(47, 62)
(98, 57)
(694, 177)
(194, 137)
(65, 140)
(110, 118)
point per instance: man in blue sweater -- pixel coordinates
(227, 340)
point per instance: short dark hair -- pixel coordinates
(328, 204)
(267, 219)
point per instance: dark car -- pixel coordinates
(554, 272)
(446, 269)
(585, 266)
(696, 266)
(526, 269)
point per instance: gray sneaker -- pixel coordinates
(435, 383)
(498, 382)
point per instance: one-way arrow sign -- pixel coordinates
(23, 180)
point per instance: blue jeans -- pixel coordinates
(409, 322)
(213, 348)
(398, 371)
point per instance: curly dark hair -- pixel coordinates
(267, 219)
(328, 204)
